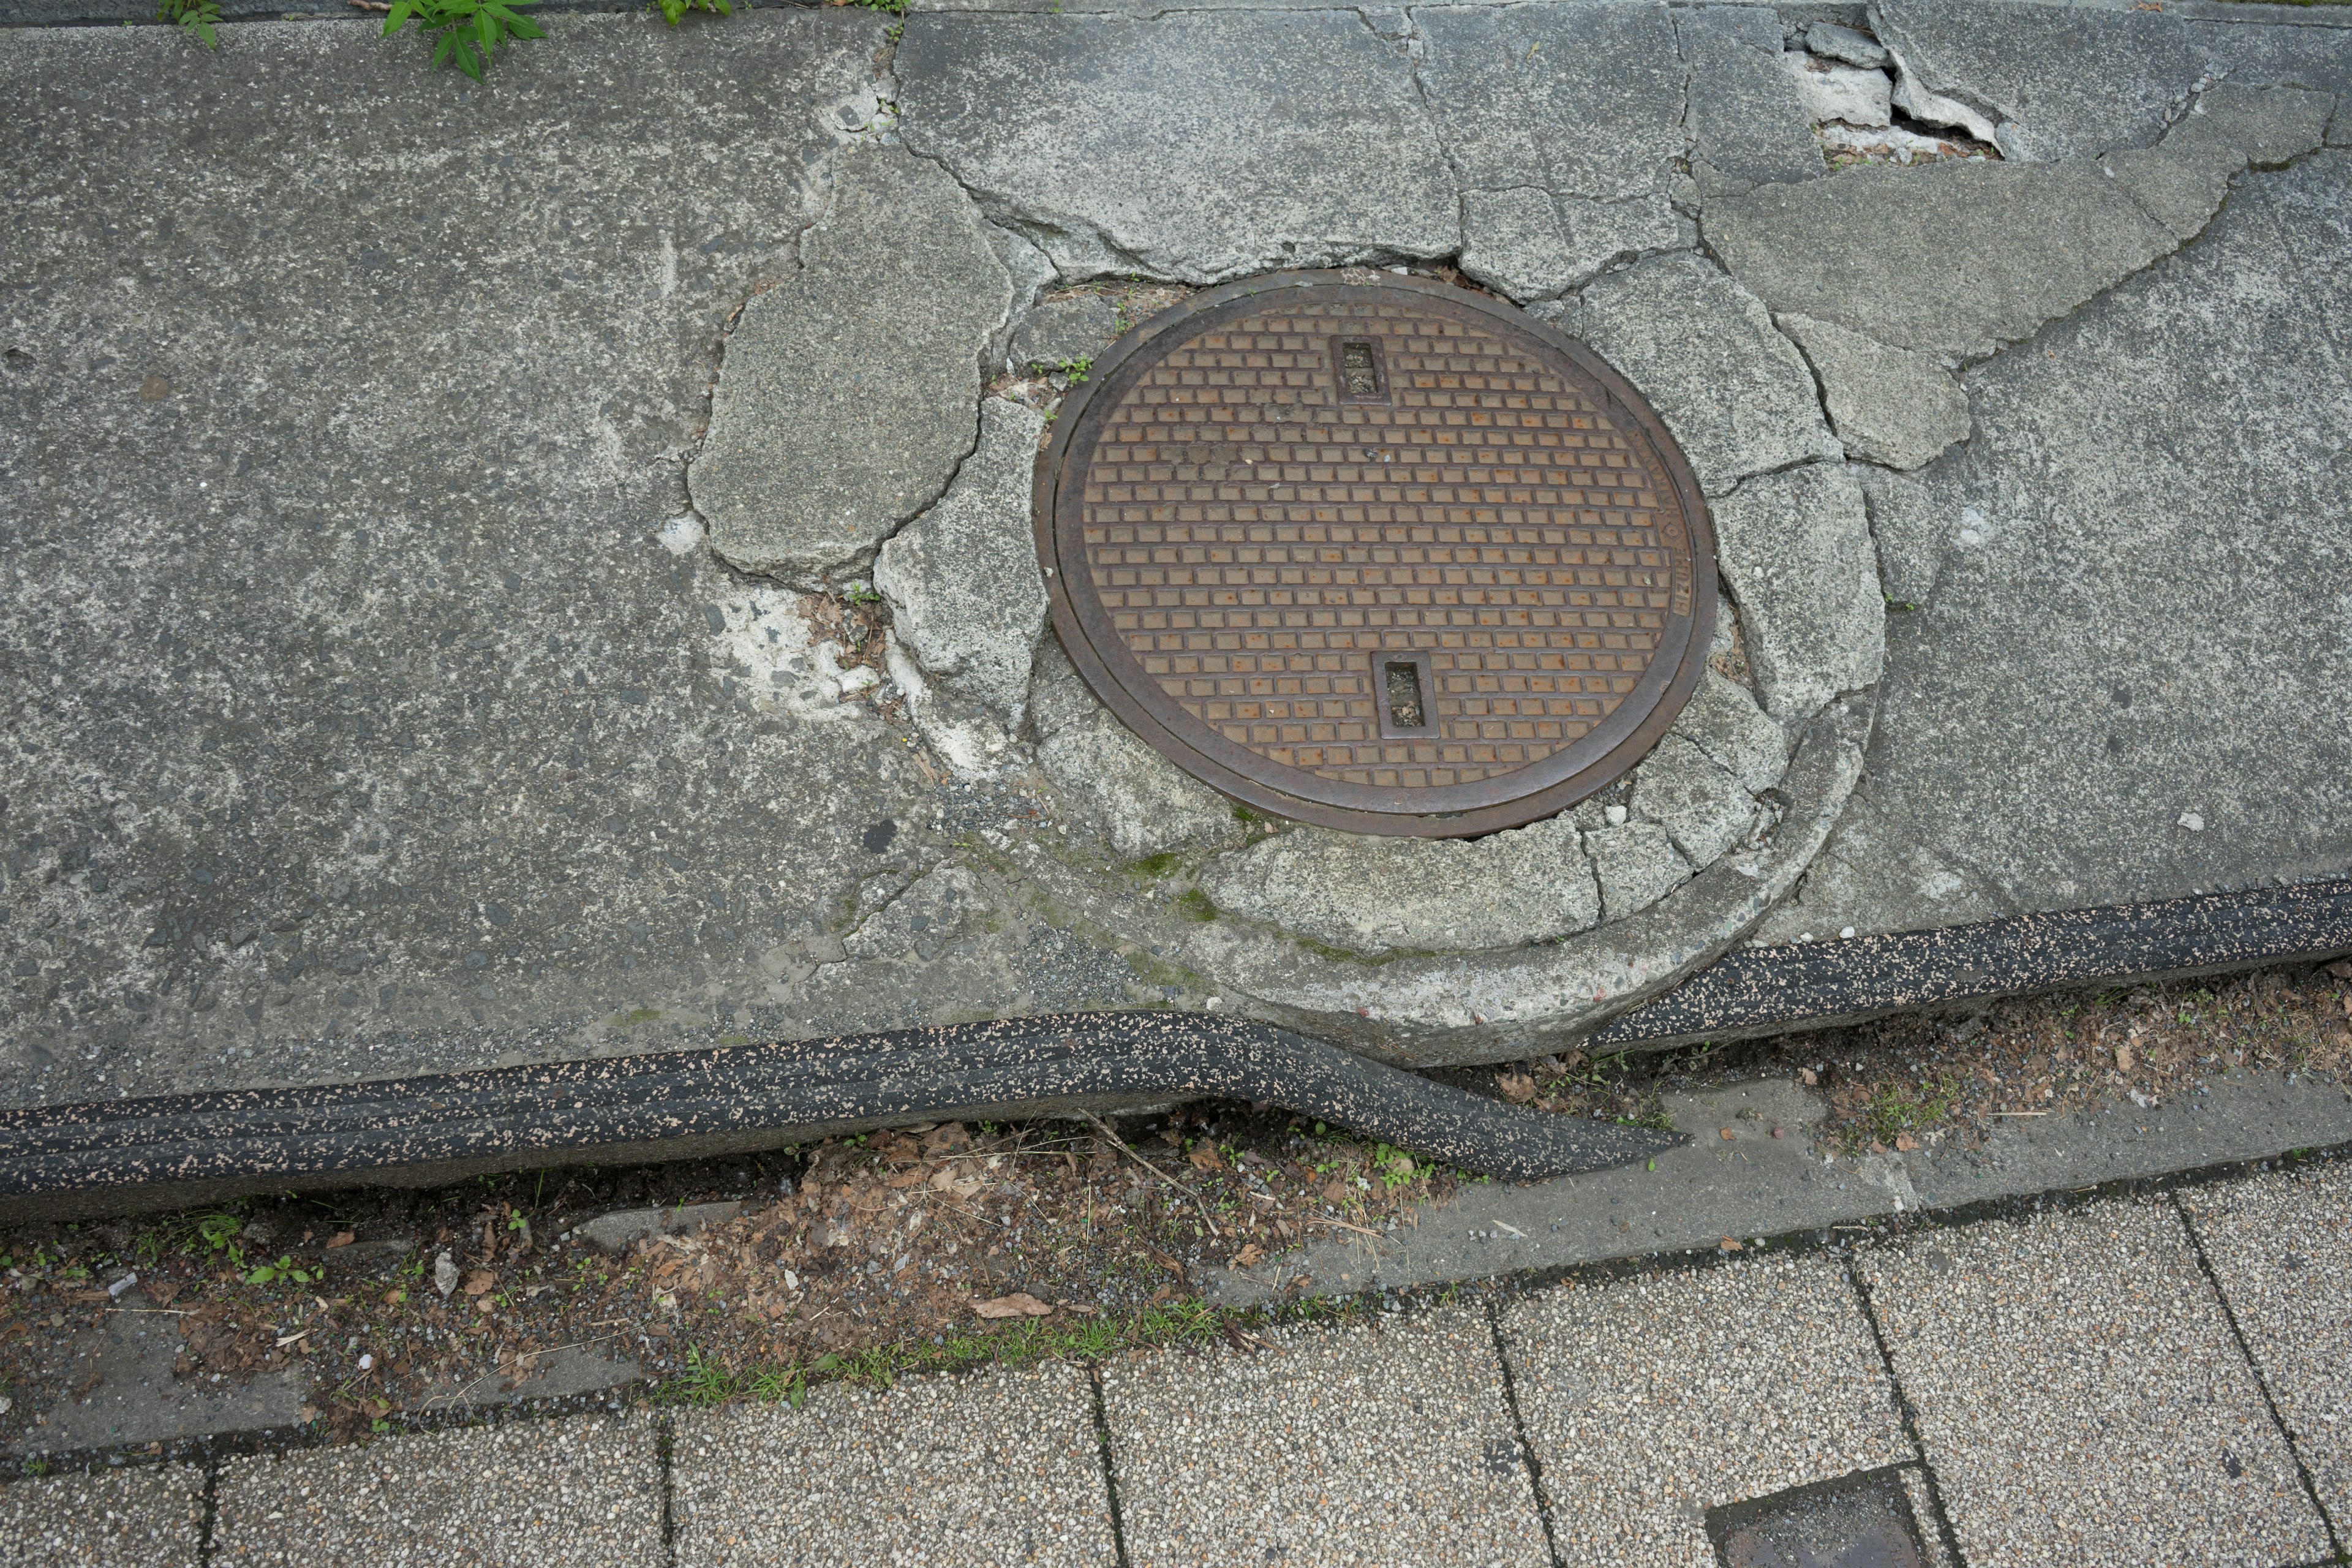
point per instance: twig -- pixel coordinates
(1343, 1225)
(1102, 1127)
(2020, 1113)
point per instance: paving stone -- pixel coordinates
(1889, 405)
(1694, 798)
(2281, 1246)
(1650, 1402)
(1298, 139)
(1748, 124)
(1722, 720)
(2141, 537)
(580, 1489)
(1392, 1443)
(996, 1467)
(1564, 122)
(150, 1516)
(2080, 1397)
(846, 397)
(1369, 894)
(966, 595)
(1797, 553)
(1700, 349)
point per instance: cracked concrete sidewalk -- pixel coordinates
(2118, 1379)
(379, 705)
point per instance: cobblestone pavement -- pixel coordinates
(2151, 1378)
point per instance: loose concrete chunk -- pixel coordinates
(582, 1490)
(966, 595)
(1136, 798)
(1032, 272)
(1797, 551)
(1694, 798)
(1066, 332)
(1956, 258)
(2073, 1370)
(2280, 1248)
(997, 1468)
(1723, 720)
(1889, 405)
(1392, 1444)
(1369, 894)
(1298, 139)
(145, 1518)
(1847, 44)
(1699, 347)
(1650, 1402)
(618, 1231)
(1748, 124)
(1636, 865)
(1839, 93)
(847, 394)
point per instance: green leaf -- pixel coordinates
(466, 62)
(524, 28)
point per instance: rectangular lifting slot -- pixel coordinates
(1403, 693)
(1361, 369)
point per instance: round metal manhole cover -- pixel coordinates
(1392, 557)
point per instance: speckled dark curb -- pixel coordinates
(669, 1104)
(1772, 990)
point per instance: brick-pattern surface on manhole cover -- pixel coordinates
(1388, 556)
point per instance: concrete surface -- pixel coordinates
(150, 1518)
(384, 708)
(996, 1467)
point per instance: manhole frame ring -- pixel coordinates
(1679, 679)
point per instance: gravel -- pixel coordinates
(2081, 1398)
(584, 1490)
(1652, 1401)
(1349, 1446)
(994, 1467)
(145, 1518)
(2282, 1247)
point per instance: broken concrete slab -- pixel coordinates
(1694, 798)
(1747, 121)
(1065, 332)
(1369, 895)
(1298, 141)
(1636, 865)
(1952, 257)
(1722, 720)
(1848, 94)
(1797, 556)
(2183, 179)
(846, 399)
(1700, 348)
(966, 596)
(1851, 45)
(1564, 124)
(2142, 539)
(1138, 801)
(623, 1228)
(1889, 405)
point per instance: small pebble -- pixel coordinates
(1847, 934)
(1780, 1132)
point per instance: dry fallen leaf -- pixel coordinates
(1517, 1087)
(1248, 1254)
(2124, 1058)
(1204, 1157)
(1904, 1143)
(1727, 1245)
(1335, 1191)
(480, 1281)
(1020, 1304)
(1808, 1076)
(1726, 1134)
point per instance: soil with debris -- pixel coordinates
(945, 1245)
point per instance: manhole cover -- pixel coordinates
(1391, 557)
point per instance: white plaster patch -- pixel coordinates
(971, 745)
(768, 649)
(681, 535)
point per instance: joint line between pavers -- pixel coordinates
(1519, 1429)
(1910, 1416)
(2262, 1382)
(1110, 1469)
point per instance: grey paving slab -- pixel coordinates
(1202, 147)
(2129, 581)
(150, 1517)
(2281, 1246)
(576, 1490)
(1363, 1445)
(1748, 127)
(1651, 1401)
(991, 1468)
(2080, 1396)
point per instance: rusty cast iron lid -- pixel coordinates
(1392, 557)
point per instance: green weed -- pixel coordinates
(470, 30)
(196, 17)
(282, 1272)
(672, 10)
